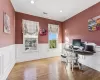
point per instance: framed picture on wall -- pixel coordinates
(94, 24)
(6, 20)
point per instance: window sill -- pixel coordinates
(30, 51)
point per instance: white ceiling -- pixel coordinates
(52, 7)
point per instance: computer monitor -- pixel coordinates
(76, 42)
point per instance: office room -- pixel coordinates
(49, 40)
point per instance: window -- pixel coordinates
(52, 40)
(30, 35)
(53, 36)
(30, 43)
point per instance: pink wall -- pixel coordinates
(7, 39)
(77, 26)
(43, 23)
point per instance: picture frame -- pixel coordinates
(6, 23)
(94, 24)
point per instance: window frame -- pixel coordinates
(30, 36)
(56, 38)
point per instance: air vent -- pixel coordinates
(45, 13)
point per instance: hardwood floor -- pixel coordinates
(50, 69)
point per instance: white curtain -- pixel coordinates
(53, 28)
(30, 27)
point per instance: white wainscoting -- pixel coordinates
(7, 61)
(43, 52)
(92, 61)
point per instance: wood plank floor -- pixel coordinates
(50, 69)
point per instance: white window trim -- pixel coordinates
(29, 37)
(57, 38)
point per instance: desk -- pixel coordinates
(81, 52)
(77, 52)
